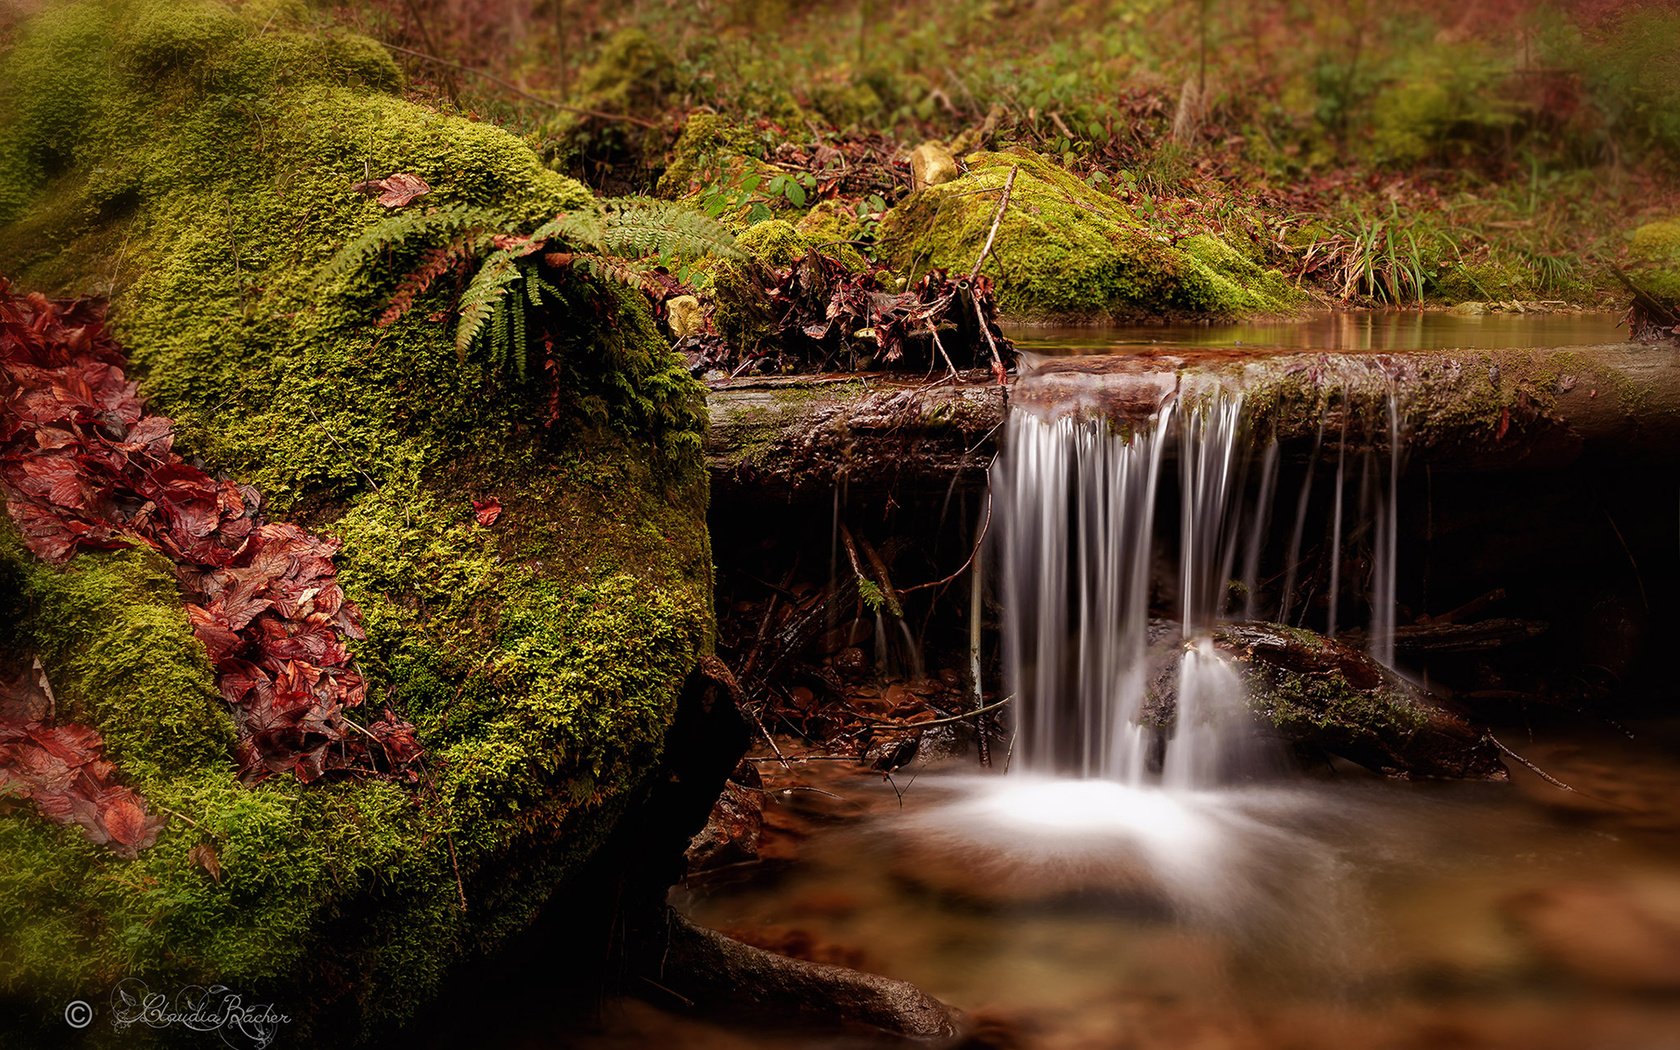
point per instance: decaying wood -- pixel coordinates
(1450, 638)
(804, 436)
(1472, 410)
(716, 972)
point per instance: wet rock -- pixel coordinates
(733, 831)
(931, 164)
(851, 662)
(714, 971)
(1324, 695)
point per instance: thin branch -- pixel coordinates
(1003, 203)
(521, 92)
(945, 721)
(1548, 778)
(978, 540)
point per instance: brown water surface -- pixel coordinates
(1389, 331)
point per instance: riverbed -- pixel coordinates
(1336, 910)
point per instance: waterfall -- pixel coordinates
(1076, 495)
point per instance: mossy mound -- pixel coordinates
(708, 142)
(1655, 259)
(632, 76)
(195, 161)
(1067, 251)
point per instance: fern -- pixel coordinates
(433, 227)
(643, 227)
(517, 283)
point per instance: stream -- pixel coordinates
(1118, 889)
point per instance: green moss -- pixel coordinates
(831, 227)
(738, 285)
(540, 659)
(1067, 251)
(1655, 248)
(708, 141)
(1327, 707)
(631, 75)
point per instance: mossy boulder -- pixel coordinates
(631, 76)
(709, 142)
(195, 161)
(1654, 262)
(1068, 251)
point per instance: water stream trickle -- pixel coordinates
(1102, 692)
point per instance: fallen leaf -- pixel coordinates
(487, 511)
(204, 855)
(394, 191)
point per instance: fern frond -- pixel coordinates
(583, 230)
(418, 281)
(486, 290)
(643, 227)
(405, 227)
(516, 350)
(613, 269)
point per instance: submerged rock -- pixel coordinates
(1068, 251)
(1323, 695)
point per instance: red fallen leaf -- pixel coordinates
(124, 821)
(487, 511)
(61, 769)
(1504, 423)
(84, 468)
(394, 191)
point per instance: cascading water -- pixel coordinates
(1076, 496)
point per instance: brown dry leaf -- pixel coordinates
(204, 855)
(394, 191)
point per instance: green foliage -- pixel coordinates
(515, 284)
(1629, 71)
(1377, 257)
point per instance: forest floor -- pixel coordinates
(1415, 153)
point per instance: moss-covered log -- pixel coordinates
(1462, 410)
(803, 437)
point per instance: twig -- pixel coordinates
(456, 864)
(978, 540)
(985, 329)
(340, 445)
(1548, 778)
(768, 739)
(522, 93)
(938, 721)
(1003, 204)
(933, 330)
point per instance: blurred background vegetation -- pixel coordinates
(1389, 151)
